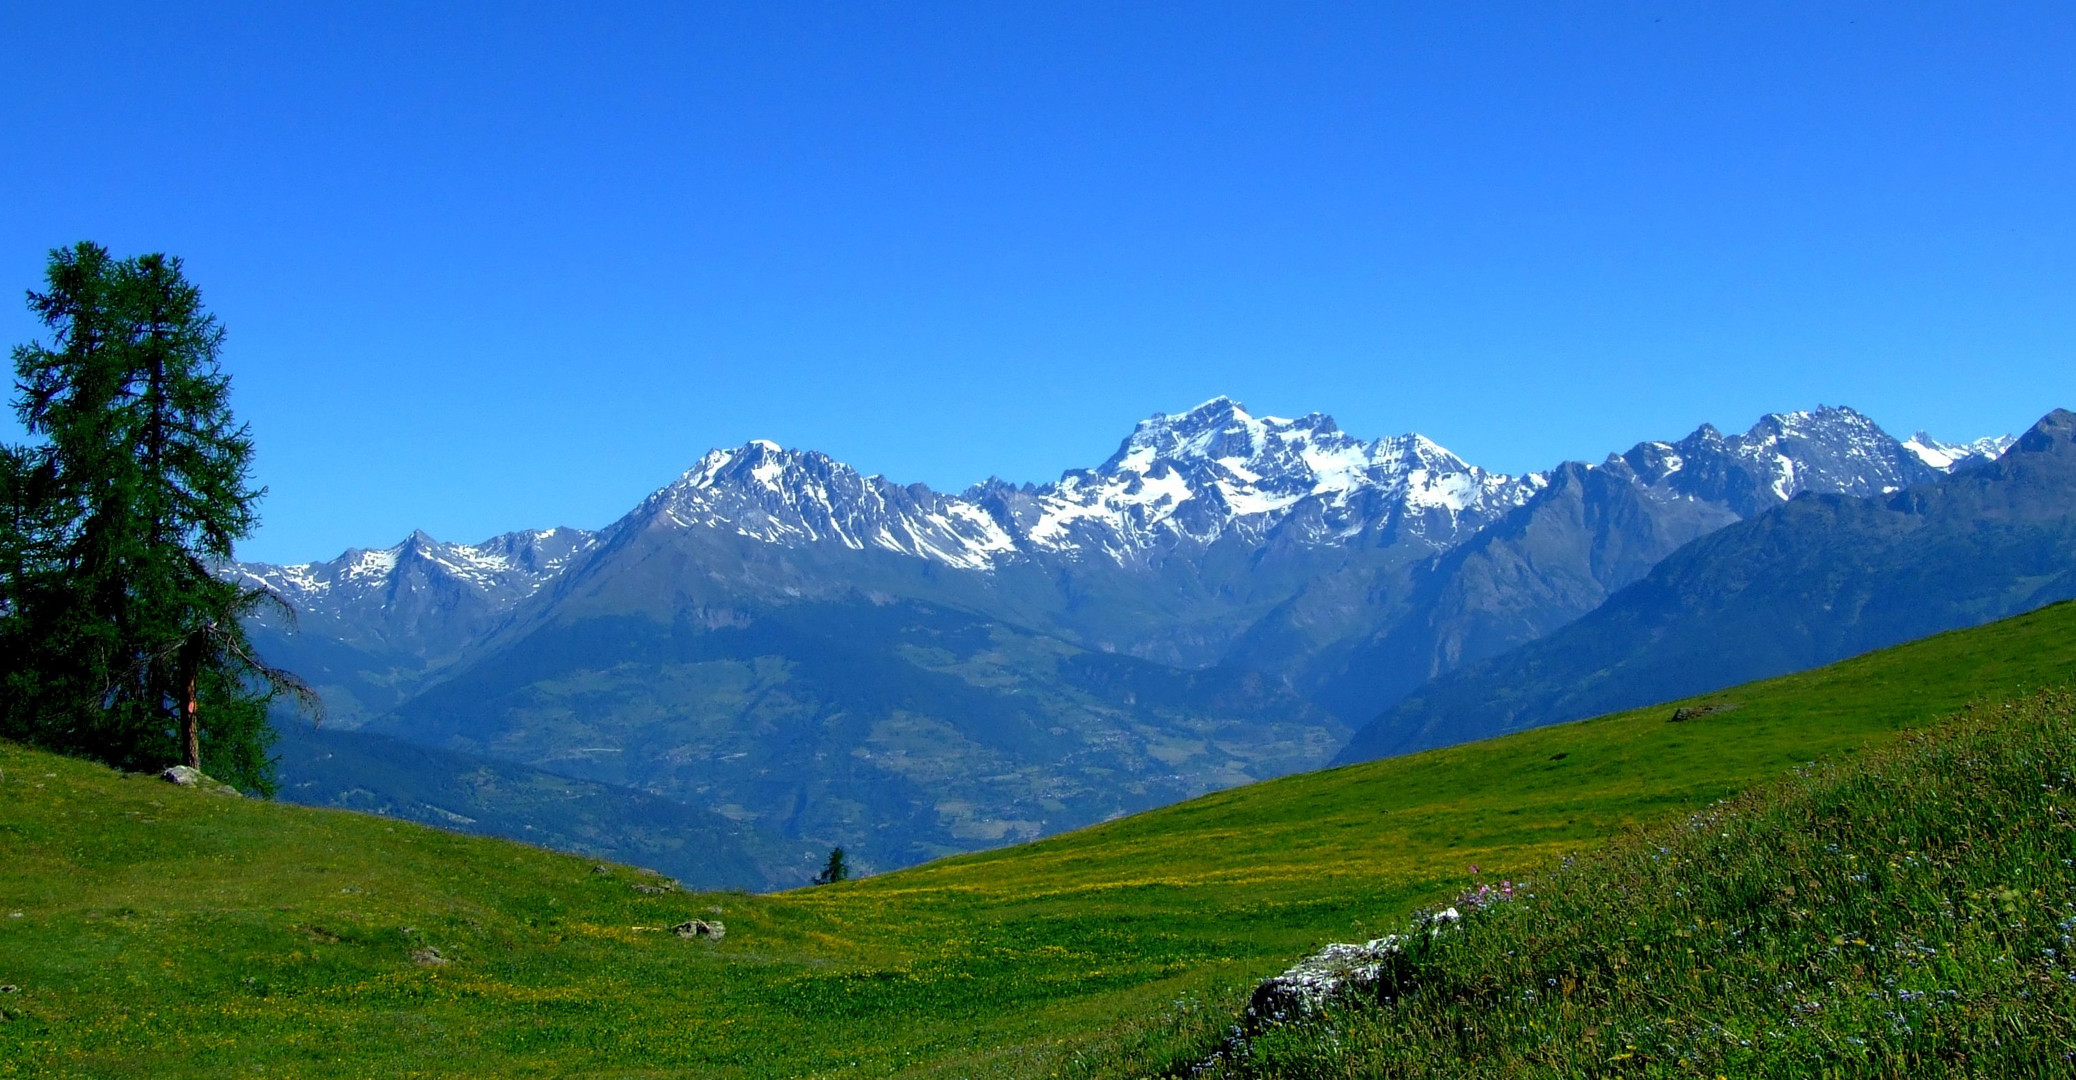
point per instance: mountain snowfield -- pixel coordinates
(510, 567)
(1946, 456)
(1181, 480)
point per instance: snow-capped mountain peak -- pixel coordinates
(1222, 430)
(1947, 457)
(495, 574)
(766, 492)
(1184, 478)
(1310, 453)
(1195, 476)
(1827, 450)
(1830, 450)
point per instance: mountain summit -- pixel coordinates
(1190, 479)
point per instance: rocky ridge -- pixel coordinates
(1183, 480)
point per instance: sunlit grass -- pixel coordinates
(168, 932)
(1909, 914)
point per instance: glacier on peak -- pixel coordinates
(502, 569)
(1198, 475)
(1828, 450)
(768, 493)
(1949, 456)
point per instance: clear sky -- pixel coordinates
(516, 265)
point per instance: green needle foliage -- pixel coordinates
(835, 870)
(119, 642)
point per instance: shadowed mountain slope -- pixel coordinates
(355, 770)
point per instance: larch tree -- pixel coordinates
(123, 641)
(838, 868)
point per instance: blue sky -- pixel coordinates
(516, 265)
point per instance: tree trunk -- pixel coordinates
(191, 652)
(191, 730)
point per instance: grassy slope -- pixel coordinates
(1910, 913)
(178, 933)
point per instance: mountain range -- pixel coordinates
(1819, 579)
(825, 657)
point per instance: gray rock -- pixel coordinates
(1333, 972)
(195, 778)
(699, 928)
(428, 957)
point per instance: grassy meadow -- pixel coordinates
(1909, 913)
(153, 930)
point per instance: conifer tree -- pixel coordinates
(122, 643)
(835, 870)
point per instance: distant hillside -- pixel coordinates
(354, 770)
(900, 730)
(1823, 577)
(162, 931)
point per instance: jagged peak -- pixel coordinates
(1771, 428)
(1222, 431)
(1802, 422)
(760, 462)
(1946, 457)
(1219, 405)
(1181, 436)
(995, 486)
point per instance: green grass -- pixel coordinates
(168, 932)
(1911, 913)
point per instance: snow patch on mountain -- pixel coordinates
(768, 493)
(1827, 450)
(1947, 457)
(503, 569)
(1197, 476)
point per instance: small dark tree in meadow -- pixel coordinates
(118, 639)
(835, 870)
